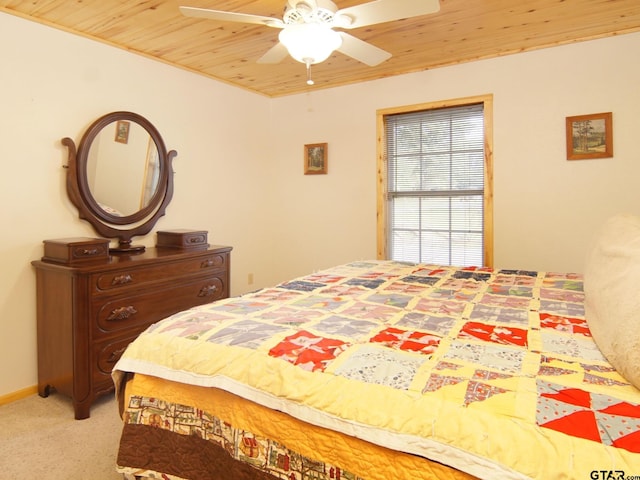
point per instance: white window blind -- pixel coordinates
(435, 191)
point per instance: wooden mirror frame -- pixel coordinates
(105, 223)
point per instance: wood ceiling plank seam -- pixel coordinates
(100, 18)
(215, 54)
(219, 53)
(210, 38)
(80, 16)
(33, 8)
(167, 31)
(104, 26)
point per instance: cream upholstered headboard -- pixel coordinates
(612, 294)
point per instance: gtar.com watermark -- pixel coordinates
(612, 475)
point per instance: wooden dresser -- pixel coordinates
(89, 310)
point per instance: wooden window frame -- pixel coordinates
(382, 219)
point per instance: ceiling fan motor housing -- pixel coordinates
(310, 11)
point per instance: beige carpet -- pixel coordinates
(39, 439)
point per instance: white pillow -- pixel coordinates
(612, 294)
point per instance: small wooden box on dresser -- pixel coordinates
(91, 305)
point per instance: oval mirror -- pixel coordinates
(108, 160)
(120, 177)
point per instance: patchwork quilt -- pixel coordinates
(492, 372)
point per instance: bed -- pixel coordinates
(377, 370)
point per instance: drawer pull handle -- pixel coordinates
(122, 279)
(90, 251)
(207, 263)
(207, 291)
(115, 355)
(122, 313)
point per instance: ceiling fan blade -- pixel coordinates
(380, 11)
(362, 51)
(275, 54)
(231, 16)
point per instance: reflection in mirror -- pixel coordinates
(120, 177)
(122, 169)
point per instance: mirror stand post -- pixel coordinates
(124, 246)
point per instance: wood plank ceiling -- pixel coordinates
(462, 31)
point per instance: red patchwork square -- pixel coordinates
(407, 340)
(494, 333)
(308, 351)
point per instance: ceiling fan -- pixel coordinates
(307, 28)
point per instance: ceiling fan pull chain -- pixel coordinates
(309, 79)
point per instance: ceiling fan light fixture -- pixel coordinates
(310, 43)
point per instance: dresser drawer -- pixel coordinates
(108, 353)
(133, 277)
(104, 357)
(73, 251)
(137, 311)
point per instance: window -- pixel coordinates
(434, 198)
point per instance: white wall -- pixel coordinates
(545, 208)
(239, 170)
(53, 85)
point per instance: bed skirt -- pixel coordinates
(175, 431)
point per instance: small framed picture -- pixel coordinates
(315, 158)
(122, 131)
(590, 136)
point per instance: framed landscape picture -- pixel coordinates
(122, 131)
(589, 136)
(315, 158)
